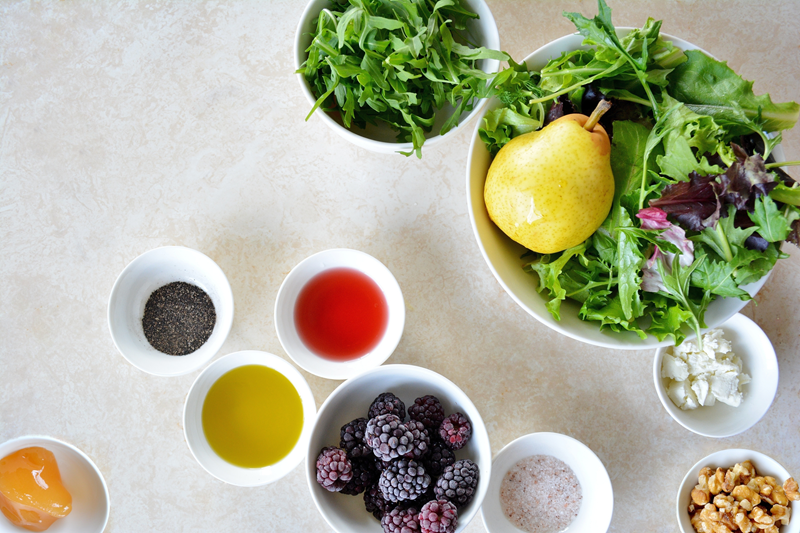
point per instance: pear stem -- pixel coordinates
(598, 112)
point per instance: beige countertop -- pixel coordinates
(125, 126)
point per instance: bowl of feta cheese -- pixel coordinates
(721, 386)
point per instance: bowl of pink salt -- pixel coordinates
(547, 483)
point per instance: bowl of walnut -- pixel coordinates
(738, 490)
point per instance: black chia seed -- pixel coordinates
(178, 318)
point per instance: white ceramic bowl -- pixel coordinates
(597, 503)
(759, 361)
(193, 420)
(765, 466)
(137, 282)
(381, 138)
(81, 477)
(503, 255)
(294, 283)
(351, 400)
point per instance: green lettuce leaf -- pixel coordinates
(710, 87)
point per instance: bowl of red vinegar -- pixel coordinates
(339, 312)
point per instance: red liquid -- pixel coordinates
(341, 314)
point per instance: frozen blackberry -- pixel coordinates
(375, 503)
(352, 439)
(457, 483)
(428, 410)
(455, 430)
(422, 499)
(422, 439)
(365, 473)
(387, 404)
(388, 437)
(439, 458)
(438, 516)
(401, 521)
(334, 469)
(382, 465)
(405, 479)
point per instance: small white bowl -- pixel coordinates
(302, 274)
(381, 138)
(751, 344)
(193, 420)
(597, 505)
(502, 255)
(764, 465)
(351, 400)
(136, 283)
(81, 477)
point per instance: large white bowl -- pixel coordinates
(597, 504)
(193, 420)
(351, 400)
(503, 255)
(759, 361)
(137, 282)
(764, 465)
(81, 477)
(294, 283)
(381, 138)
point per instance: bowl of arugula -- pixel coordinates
(700, 208)
(392, 76)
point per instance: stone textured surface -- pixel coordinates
(130, 125)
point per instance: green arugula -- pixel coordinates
(396, 62)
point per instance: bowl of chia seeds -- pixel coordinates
(170, 311)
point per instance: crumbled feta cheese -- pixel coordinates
(674, 368)
(701, 377)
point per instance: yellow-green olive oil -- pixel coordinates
(252, 416)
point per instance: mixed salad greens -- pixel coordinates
(699, 211)
(396, 62)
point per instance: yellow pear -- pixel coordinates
(551, 189)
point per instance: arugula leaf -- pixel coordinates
(716, 277)
(676, 281)
(710, 87)
(600, 30)
(628, 262)
(772, 224)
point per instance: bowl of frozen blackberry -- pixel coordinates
(398, 448)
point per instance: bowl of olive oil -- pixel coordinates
(248, 417)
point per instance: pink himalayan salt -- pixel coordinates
(541, 494)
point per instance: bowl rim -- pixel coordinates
(486, 20)
(307, 401)
(341, 370)
(535, 439)
(25, 441)
(311, 454)
(224, 289)
(764, 464)
(767, 352)
(610, 338)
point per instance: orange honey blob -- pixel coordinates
(31, 493)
